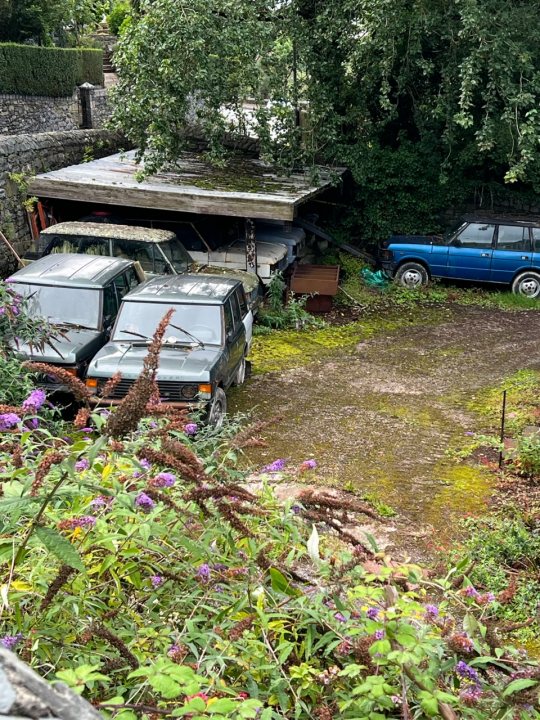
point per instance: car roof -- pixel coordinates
(503, 218)
(105, 230)
(189, 288)
(67, 270)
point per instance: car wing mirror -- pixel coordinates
(456, 242)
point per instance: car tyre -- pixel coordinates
(217, 409)
(527, 284)
(240, 376)
(411, 275)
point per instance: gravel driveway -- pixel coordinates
(380, 417)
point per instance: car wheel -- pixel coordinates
(240, 376)
(411, 275)
(218, 409)
(527, 284)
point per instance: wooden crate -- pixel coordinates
(319, 279)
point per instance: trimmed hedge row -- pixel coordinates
(51, 71)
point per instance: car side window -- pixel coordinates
(94, 246)
(110, 303)
(132, 279)
(536, 240)
(121, 285)
(229, 321)
(134, 250)
(476, 235)
(241, 297)
(236, 310)
(513, 237)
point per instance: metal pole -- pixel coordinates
(503, 422)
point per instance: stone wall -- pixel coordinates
(36, 114)
(26, 113)
(24, 694)
(24, 155)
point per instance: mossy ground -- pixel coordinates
(380, 403)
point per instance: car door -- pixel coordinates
(245, 314)
(536, 248)
(470, 253)
(235, 337)
(111, 304)
(512, 252)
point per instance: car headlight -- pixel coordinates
(189, 391)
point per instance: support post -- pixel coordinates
(251, 246)
(86, 96)
(503, 423)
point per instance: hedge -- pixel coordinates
(55, 72)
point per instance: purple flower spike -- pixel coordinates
(35, 400)
(144, 502)
(191, 429)
(82, 464)
(275, 466)
(432, 611)
(339, 616)
(308, 465)
(11, 641)
(466, 672)
(203, 572)
(9, 420)
(156, 580)
(379, 634)
(471, 592)
(372, 613)
(164, 479)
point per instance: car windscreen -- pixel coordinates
(176, 254)
(77, 306)
(138, 321)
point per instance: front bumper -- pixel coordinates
(199, 406)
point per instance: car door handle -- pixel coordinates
(524, 257)
(485, 254)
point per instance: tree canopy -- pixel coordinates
(420, 99)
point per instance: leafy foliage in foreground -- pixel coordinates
(150, 580)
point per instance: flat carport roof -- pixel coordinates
(245, 188)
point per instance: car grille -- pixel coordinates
(169, 390)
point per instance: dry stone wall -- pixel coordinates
(23, 114)
(37, 114)
(22, 156)
(24, 695)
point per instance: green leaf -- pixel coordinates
(223, 705)
(517, 685)
(60, 547)
(165, 686)
(10, 505)
(281, 584)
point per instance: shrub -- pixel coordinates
(116, 17)
(145, 576)
(55, 72)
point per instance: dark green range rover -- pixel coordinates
(81, 294)
(204, 349)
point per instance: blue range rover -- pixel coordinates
(483, 249)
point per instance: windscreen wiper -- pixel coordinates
(199, 342)
(75, 326)
(136, 334)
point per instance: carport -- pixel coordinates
(246, 188)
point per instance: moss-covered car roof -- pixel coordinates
(106, 230)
